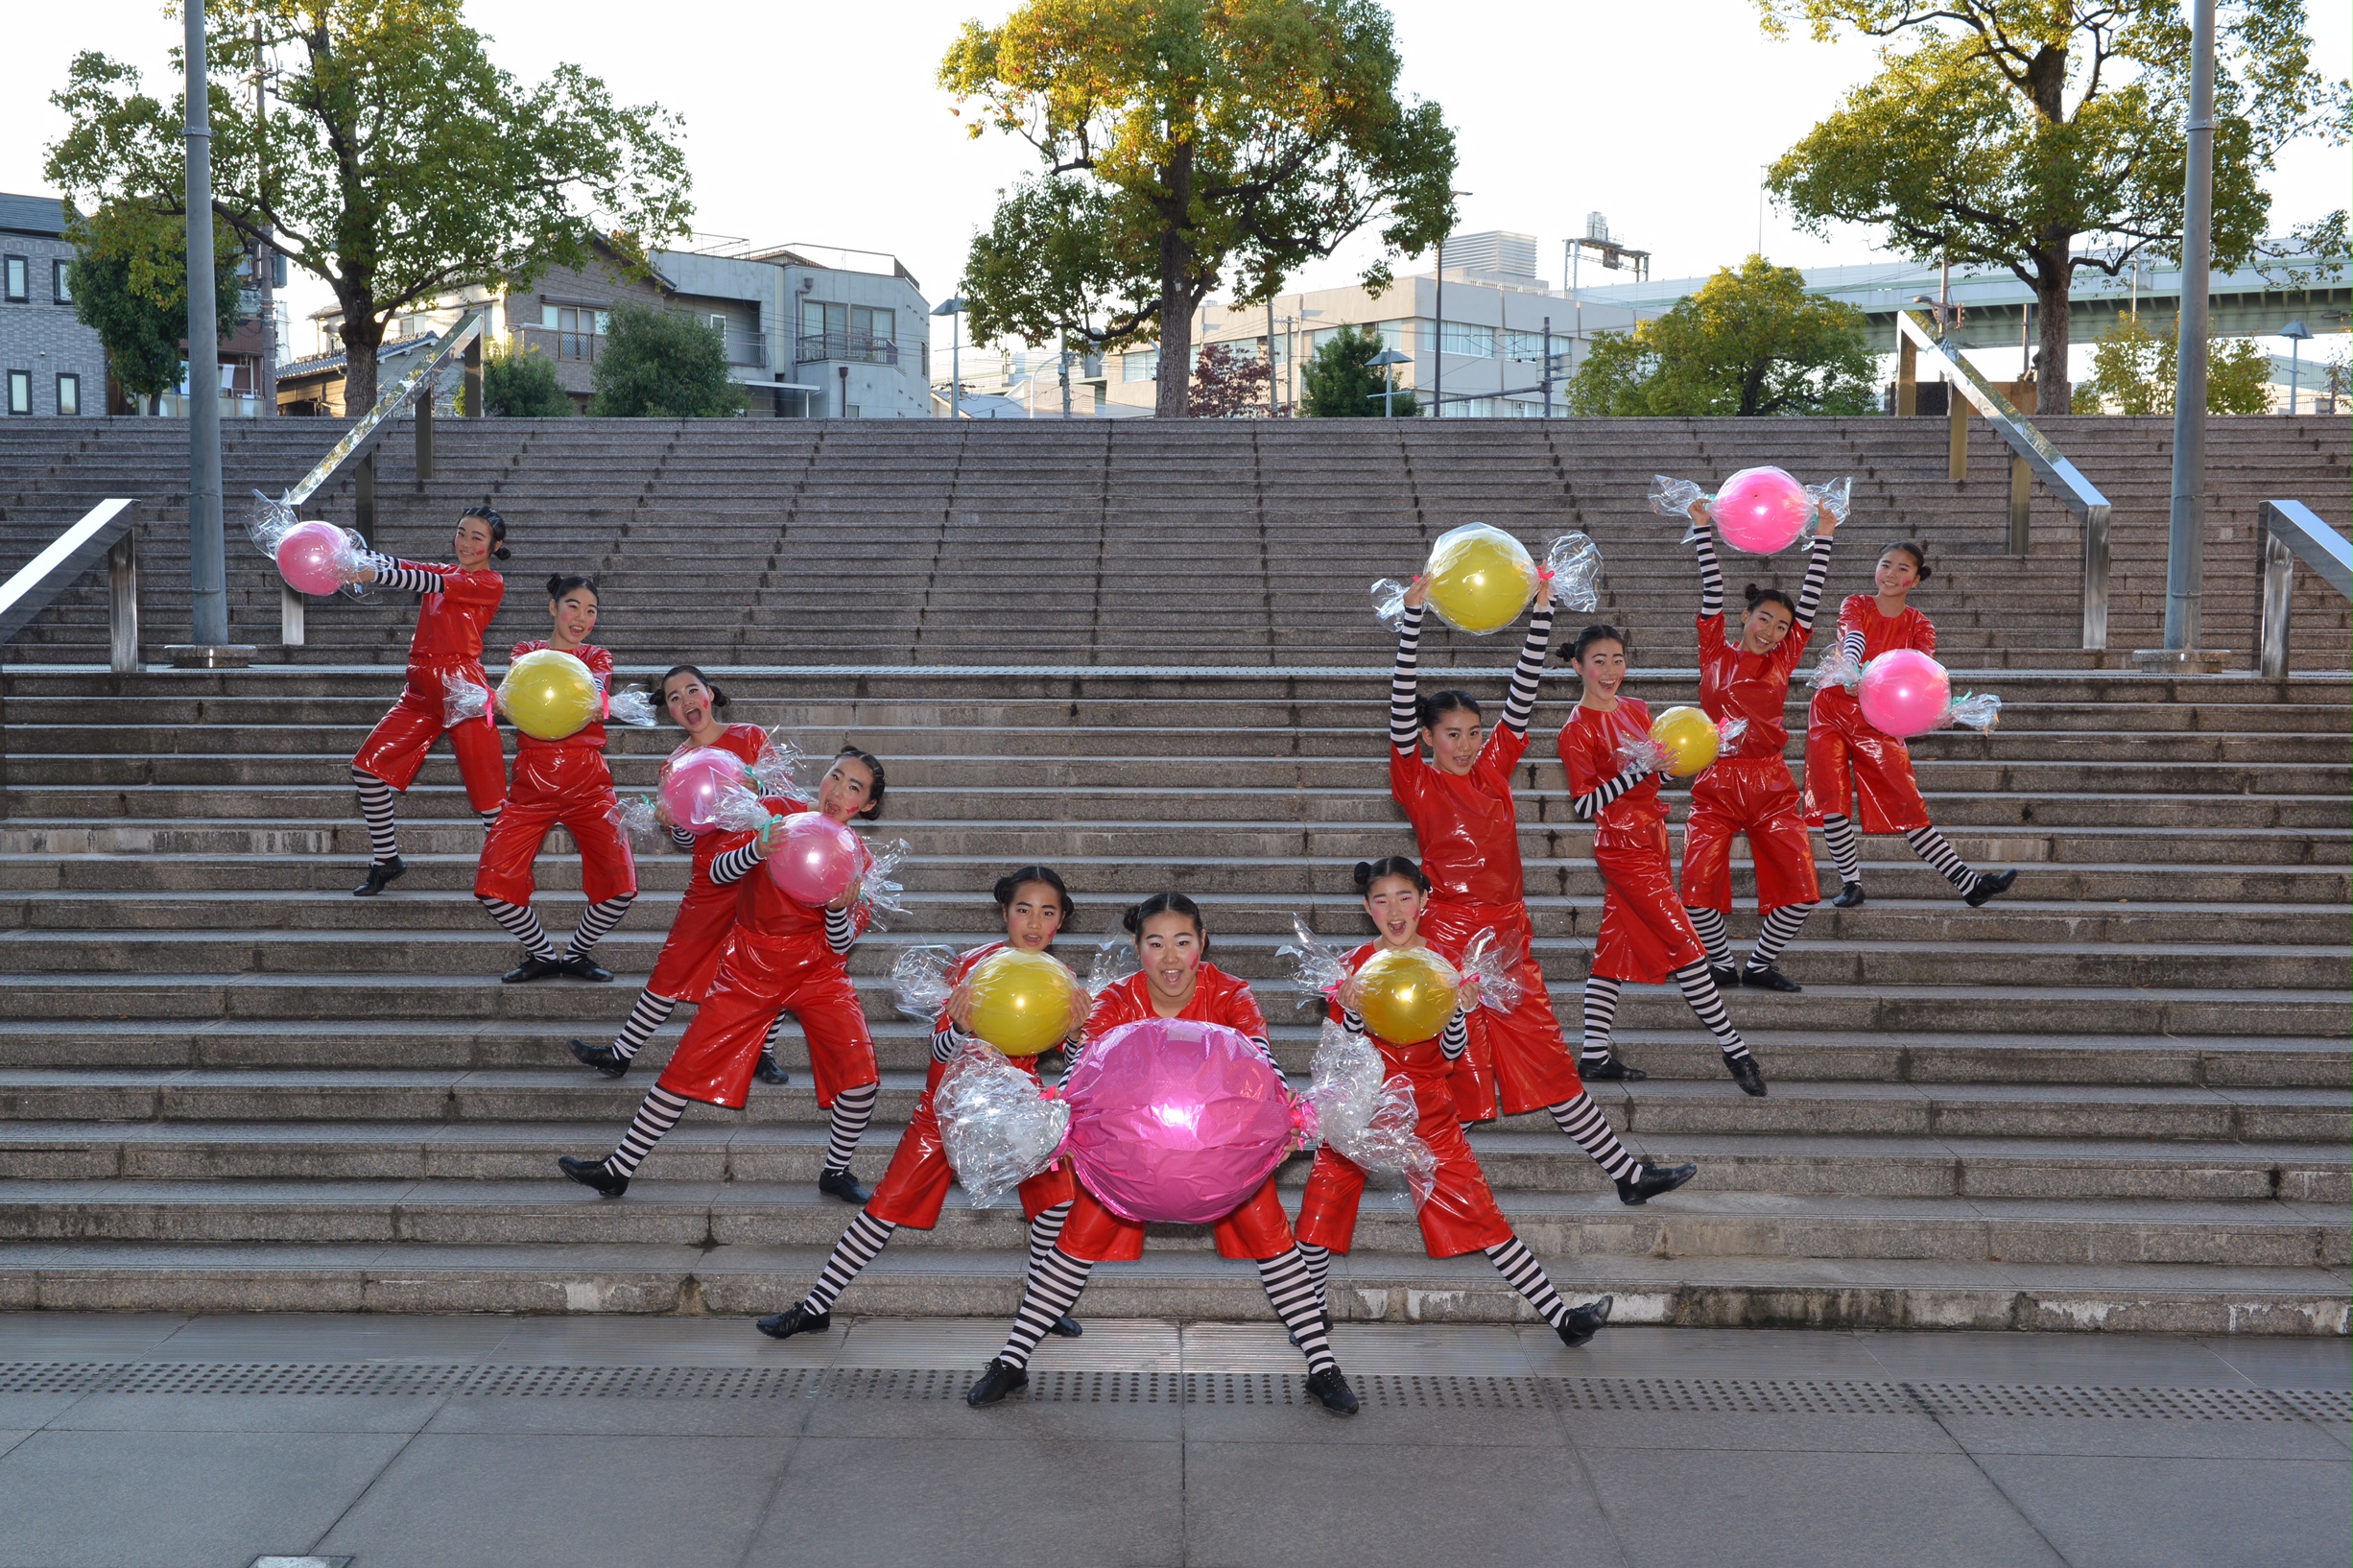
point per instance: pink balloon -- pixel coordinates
(1761, 510)
(1905, 693)
(311, 557)
(1175, 1122)
(815, 858)
(693, 782)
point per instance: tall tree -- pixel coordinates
(1750, 342)
(1185, 143)
(1343, 383)
(396, 161)
(2000, 132)
(129, 282)
(663, 364)
(2133, 371)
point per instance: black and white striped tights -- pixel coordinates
(383, 828)
(1931, 846)
(1698, 988)
(1055, 1282)
(867, 1236)
(522, 923)
(1511, 1259)
(1780, 926)
(651, 1011)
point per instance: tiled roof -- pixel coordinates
(33, 214)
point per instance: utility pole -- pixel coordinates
(1438, 359)
(1548, 367)
(1271, 403)
(2186, 535)
(207, 573)
(264, 258)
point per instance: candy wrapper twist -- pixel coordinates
(1493, 958)
(633, 815)
(269, 522)
(1641, 754)
(1729, 732)
(1370, 1119)
(633, 706)
(880, 899)
(1975, 710)
(995, 1126)
(920, 980)
(1760, 511)
(735, 809)
(1388, 601)
(1116, 961)
(1317, 971)
(1674, 498)
(462, 699)
(784, 769)
(1837, 668)
(1575, 562)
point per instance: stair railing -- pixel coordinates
(2030, 454)
(2292, 533)
(105, 531)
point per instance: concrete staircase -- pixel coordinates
(2115, 1100)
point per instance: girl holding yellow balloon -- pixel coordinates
(557, 694)
(1020, 998)
(1646, 936)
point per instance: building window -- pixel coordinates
(1140, 367)
(19, 271)
(860, 333)
(1462, 338)
(69, 393)
(62, 281)
(1528, 347)
(20, 391)
(578, 328)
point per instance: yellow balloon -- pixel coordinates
(1020, 1001)
(1406, 994)
(548, 695)
(1481, 578)
(1689, 738)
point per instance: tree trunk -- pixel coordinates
(1175, 389)
(2054, 277)
(363, 335)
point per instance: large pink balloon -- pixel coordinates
(312, 556)
(692, 783)
(1175, 1122)
(815, 858)
(1905, 693)
(1761, 510)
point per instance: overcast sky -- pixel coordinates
(821, 122)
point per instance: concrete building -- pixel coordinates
(49, 363)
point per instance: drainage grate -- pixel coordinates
(2129, 1404)
(1735, 1397)
(410, 1379)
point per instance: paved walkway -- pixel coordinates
(173, 1442)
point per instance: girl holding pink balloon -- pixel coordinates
(1855, 767)
(1176, 984)
(793, 928)
(714, 756)
(459, 603)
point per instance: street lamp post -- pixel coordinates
(208, 565)
(953, 308)
(1388, 393)
(2297, 333)
(2186, 529)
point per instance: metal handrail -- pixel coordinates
(2080, 494)
(107, 530)
(374, 425)
(2292, 533)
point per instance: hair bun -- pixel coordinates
(555, 586)
(1003, 893)
(1364, 875)
(503, 552)
(1131, 923)
(1751, 592)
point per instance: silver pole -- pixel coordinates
(1438, 360)
(208, 587)
(956, 365)
(264, 262)
(2185, 539)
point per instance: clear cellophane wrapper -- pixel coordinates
(1641, 754)
(882, 900)
(996, 1125)
(633, 815)
(1388, 601)
(462, 699)
(1493, 957)
(633, 706)
(735, 809)
(269, 523)
(1832, 498)
(1576, 564)
(783, 769)
(1369, 1118)
(1837, 668)
(1974, 710)
(920, 980)
(1728, 733)
(1114, 961)
(1317, 971)
(1674, 498)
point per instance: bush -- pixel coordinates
(1342, 385)
(518, 383)
(664, 364)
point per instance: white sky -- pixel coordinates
(823, 124)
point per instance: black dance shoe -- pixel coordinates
(1654, 1181)
(999, 1378)
(603, 1058)
(532, 967)
(580, 966)
(1331, 1391)
(1065, 1327)
(1724, 978)
(1769, 979)
(592, 1172)
(1850, 897)
(1583, 1323)
(1990, 888)
(1609, 1069)
(795, 1319)
(768, 1072)
(1744, 1073)
(381, 874)
(842, 1185)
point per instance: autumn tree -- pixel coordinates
(396, 161)
(1227, 384)
(1187, 145)
(2005, 133)
(1750, 342)
(2133, 371)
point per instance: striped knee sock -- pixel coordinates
(1319, 1260)
(523, 926)
(1601, 1011)
(1780, 926)
(1699, 990)
(1297, 1301)
(1582, 1120)
(1044, 1231)
(657, 1115)
(594, 922)
(1709, 924)
(1516, 1264)
(490, 819)
(852, 1110)
(650, 1013)
(1846, 846)
(1931, 846)
(859, 1244)
(376, 811)
(775, 1026)
(1052, 1290)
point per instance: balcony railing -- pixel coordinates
(747, 348)
(858, 347)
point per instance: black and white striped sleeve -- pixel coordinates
(1457, 1039)
(1852, 643)
(946, 1042)
(1351, 1021)
(391, 574)
(1266, 1050)
(1590, 806)
(1711, 574)
(1404, 684)
(840, 930)
(681, 839)
(731, 866)
(1817, 572)
(1520, 706)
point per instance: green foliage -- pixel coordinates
(130, 284)
(1186, 142)
(396, 161)
(519, 383)
(2001, 131)
(662, 364)
(2134, 368)
(1750, 342)
(1342, 383)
